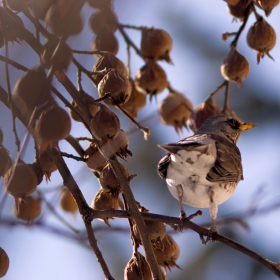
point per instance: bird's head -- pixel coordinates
(225, 126)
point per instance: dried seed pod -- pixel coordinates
(240, 9)
(107, 60)
(104, 19)
(203, 112)
(20, 180)
(118, 146)
(108, 180)
(47, 164)
(175, 110)
(28, 209)
(67, 202)
(53, 125)
(267, 5)
(58, 59)
(104, 200)
(156, 44)
(12, 34)
(105, 124)
(235, 67)
(32, 89)
(88, 101)
(170, 253)
(117, 85)
(95, 160)
(38, 171)
(106, 41)
(156, 231)
(136, 101)
(137, 268)
(4, 262)
(64, 18)
(151, 79)
(5, 161)
(262, 38)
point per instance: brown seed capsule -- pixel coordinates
(104, 19)
(156, 44)
(53, 125)
(38, 171)
(203, 112)
(105, 124)
(64, 18)
(104, 200)
(67, 202)
(28, 209)
(240, 9)
(267, 5)
(170, 253)
(156, 231)
(20, 180)
(4, 262)
(47, 164)
(137, 268)
(108, 180)
(151, 79)
(235, 67)
(106, 41)
(118, 146)
(88, 101)
(5, 161)
(11, 32)
(95, 160)
(136, 101)
(175, 110)
(107, 60)
(262, 38)
(32, 89)
(117, 85)
(56, 55)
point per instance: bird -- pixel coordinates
(203, 170)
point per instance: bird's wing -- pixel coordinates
(162, 166)
(227, 167)
(195, 142)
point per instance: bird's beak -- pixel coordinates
(247, 126)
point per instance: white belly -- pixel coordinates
(189, 168)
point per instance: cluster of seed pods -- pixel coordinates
(165, 248)
(261, 37)
(104, 23)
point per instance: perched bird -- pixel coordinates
(203, 170)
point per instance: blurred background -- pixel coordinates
(52, 250)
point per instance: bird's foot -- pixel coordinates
(182, 217)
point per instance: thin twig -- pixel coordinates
(73, 157)
(96, 250)
(7, 75)
(128, 41)
(245, 19)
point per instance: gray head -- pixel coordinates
(225, 126)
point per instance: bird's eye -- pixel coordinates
(233, 123)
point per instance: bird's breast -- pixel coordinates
(189, 169)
